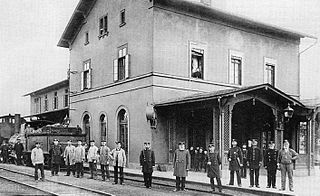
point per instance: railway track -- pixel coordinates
(48, 187)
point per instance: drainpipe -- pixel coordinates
(220, 132)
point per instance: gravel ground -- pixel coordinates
(11, 188)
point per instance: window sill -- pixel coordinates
(103, 35)
(122, 24)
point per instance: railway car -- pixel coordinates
(46, 135)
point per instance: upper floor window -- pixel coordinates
(86, 38)
(66, 98)
(37, 102)
(86, 75)
(197, 60)
(122, 17)
(103, 26)
(235, 67)
(46, 103)
(55, 101)
(270, 71)
(121, 64)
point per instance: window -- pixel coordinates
(270, 71)
(103, 127)
(122, 17)
(46, 103)
(86, 75)
(37, 105)
(235, 67)
(103, 26)
(86, 38)
(121, 64)
(302, 138)
(86, 127)
(123, 129)
(55, 101)
(197, 59)
(66, 98)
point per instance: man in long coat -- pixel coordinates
(92, 159)
(147, 162)
(181, 164)
(55, 155)
(270, 163)
(213, 161)
(235, 162)
(119, 162)
(18, 148)
(79, 157)
(105, 160)
(255, 162)
(68, 156)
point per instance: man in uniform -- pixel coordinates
(56, 155)
(270, 163)
(255, 162)
(147, 162)
(235, 162)
(18, 148)
(213, 161)
(104, 160)
(285, 158)
(181, 164)
(69, 158)
(4, 148)
(244, 167)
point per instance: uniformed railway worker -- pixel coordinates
(147, 162)
(4, 148)
(270, 163)
(56, 156)
(235, 162)
(213, 161)
(18, 148)
(286, 157)
(181, 164)
(255, 162)
(68, 156)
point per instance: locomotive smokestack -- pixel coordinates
(17, 123)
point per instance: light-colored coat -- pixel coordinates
(181, 163)
(119, 155)
(37, 156)
(105, 155)
(68, 155)
(79, 154)
(92, 154)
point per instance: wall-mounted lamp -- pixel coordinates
(288, 112)
(151, 116)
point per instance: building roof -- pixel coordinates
(209, 13)
(226, 93)
(58, 85)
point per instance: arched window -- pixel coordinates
(86, 127)
(103, 127)
(123, 128)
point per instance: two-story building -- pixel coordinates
(50, 104)
(197, 73)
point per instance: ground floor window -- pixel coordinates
(123, 129)
(86, 127)
(103, 127)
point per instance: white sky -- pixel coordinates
(30, 30)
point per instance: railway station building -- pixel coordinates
(172, 70)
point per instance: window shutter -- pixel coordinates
(265, 74)
(90, 78)
(82, 83)
(115, 69)
(127, 64)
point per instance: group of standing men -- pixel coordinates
(239, 159)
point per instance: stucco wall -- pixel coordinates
(173, 32)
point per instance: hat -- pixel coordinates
(254, 141)
(210, 145)
(18, 138)
(69, 141)
(181, 143)
(91, 141)
(271, 142)
(38, 143)
(234, 140)
(103, 140)
(146, 143)
(118, 142)
(285, 142)
(55, 140)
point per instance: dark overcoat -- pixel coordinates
(147, 161)
(270, 159)
(181, 163)
(235, 154)
(56, 154)
(213, 170)
(254, 158)
(18, 147)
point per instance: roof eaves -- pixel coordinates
(61, 83)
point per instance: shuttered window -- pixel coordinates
(86, 75)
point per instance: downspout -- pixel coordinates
(220, 132)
